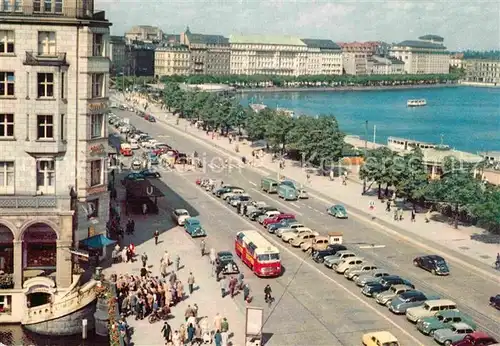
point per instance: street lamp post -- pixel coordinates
(366, 149)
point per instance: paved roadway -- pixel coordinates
(469, 290)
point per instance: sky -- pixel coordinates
(473, 24)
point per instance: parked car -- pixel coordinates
(136, 165)
(337, 211)
(289, 228)
(277, 218)
(316, 244)
(384, 284)
(382, 338)
(259, 212)
(443, 320)
(339, 256)
(237, 199)
(149, 144)
(457, 332)
(193, 227)
(132, 177)
(150, 173)
(495, 301)
(331, 250)
(302, 238)
(227, 195)
(407, 300)
(225, 260)
(354, 272)
(267, 215)
(225, 189)
(430, 308)
(477, 339)
(384, 298)
(349, 262)
(432, 263)
(288, 237)
(255, 205)
(282, 224)
(180, 216)
(374, 276)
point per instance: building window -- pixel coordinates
(62, 127)
(47, 43)
(6, 41)
(96, 122)
(93, 208)
(45, 176)
(98, 45)
(6, 5)
(5, 305)
(96, 176)
(63, 85)
(18, 5)
(45, 127)
(36, 6)
(6, 125)
(7, 177)
(7, 80)
(47, 5)
(45, 83)
(97, 85)
(58, 5)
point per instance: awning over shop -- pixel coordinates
(98, 241)
(141, 189)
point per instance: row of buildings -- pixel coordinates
(146, 49)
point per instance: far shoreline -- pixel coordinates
(349, 88)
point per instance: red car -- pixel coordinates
(275, 219)
(476, 339)
(160, 149)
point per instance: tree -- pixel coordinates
(412, 177)
(257, 122)
(378, 168)
(277, 129)
(487, 209)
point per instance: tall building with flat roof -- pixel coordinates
(324, 57)
(482, 71)
(172, 59)
(54, 72)
(427, 55)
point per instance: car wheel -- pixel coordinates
(415, 263)
(431, 333)
(447, 343)
(321, 260)
(354, 277)
(433, 271)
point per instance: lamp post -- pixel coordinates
(366, 149)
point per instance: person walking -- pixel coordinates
(395, 214)
(190, 281)
(212, 256)
(156, 235)
(224, 331)
(202, 247)
(176, 338)
(400, 213)
(217, 338)
(195, 310)
(167, 331)
(166, 258)
(388, 206)
(144, 259)
(177, 263)
(240, 281)
(413, 213)
(232, 286)
(246, 293)
(223, 287)
(190, 333)
(217, 322)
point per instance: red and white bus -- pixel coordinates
(258, 253)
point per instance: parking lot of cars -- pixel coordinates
(398, 294)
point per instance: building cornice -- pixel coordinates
(54, 21)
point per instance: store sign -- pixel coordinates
(39, 289)
(97, 150)
(97, 107)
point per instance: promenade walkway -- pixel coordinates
(462, 240)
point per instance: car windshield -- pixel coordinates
(441, 264)
(182, 212)
(244, 198)
(390, 344)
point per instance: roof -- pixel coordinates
(207, 39)
(141, 188)
(172, 37)
(262, 39)
(437, 156)
(139, 28)
(263, 246)
(432, 37)
(98, 241)
(420, 44)
(118, 39)
(321, 44)
(384, 336)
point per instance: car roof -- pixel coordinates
(434, 257)
(345, 251)
(412, 293)
(384, 336)
(401, 286)
(181, 210)
(450, 313)
(480, 335)
(461, 325)
(224, 253)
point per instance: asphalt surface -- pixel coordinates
(327, 301)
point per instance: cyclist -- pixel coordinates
(267, 293)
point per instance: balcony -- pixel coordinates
(64, 12)
(34, 202)
(46, 147)
(36, 59)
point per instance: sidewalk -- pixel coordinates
(460, 240)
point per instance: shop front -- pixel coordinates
(39, 251)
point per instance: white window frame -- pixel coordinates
(46, 176)
(96, 173)
(45, 121)
(47, 43)
(43, 80)
(96, 125)
(8, 37)
(4, 79)
(97, 47)
(97, 81)
(6, 124)
(8, 174)
(6, 302)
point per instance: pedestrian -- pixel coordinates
(144, 259)
(163, 268)
(240, 281)
(245, 208)
(132, 225)
(190, 333)
(144, 208)
(246, 292)
(428, 216)
(232, 286)
(224, 331)
(217, 321)
(188, 313)
(166, 258)
(202, 247)
(413, 213)
(388, 205)
(177, 263)
(144, 272)
(400, 214)
(195, 310)
(173, 278)
(176, 338)
(395, 214)
(223, 287)
(167, 331)
(212, 256)
(190, 283)
(217, 338)
(156, 235)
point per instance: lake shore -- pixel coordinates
(347, 88)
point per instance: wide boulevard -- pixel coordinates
(315, 305)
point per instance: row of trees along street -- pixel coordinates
(319, 141)
(458, 193)
(264, 81)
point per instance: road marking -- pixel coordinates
(252, 183)
(278, 202)
(295, 205)
(373, 246)
(314, 268)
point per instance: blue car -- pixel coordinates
(193, 227)
(282, 224)
(153, 158)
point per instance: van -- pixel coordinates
(287, 193)
(269, 185)
(429, 309)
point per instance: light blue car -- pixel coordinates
(457, 332)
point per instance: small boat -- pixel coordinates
(416, 103)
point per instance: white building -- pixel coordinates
(456, 60)
(54, 71)
(324, 57)
(428, 55)
(144, 33)
(382, 66)
(482, 71)
(355, 63)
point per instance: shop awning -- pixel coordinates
(98, 241)
(141, 189)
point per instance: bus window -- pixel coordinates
(262, 258)
(274, 256)
(251, 247)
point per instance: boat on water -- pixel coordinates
(416, 103)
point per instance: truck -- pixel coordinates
(269, 185)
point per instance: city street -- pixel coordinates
(470, 290)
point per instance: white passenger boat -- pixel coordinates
(416, 103)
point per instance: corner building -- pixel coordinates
(54, 71)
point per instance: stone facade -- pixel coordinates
(355, 63)
(172, 59)
(482, 71)
(427, 55)
(118, 55)
(382, 66)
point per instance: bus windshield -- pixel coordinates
(268, 257)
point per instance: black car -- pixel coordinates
(261, 211)
(226, 264)
(432, 263)
(495, 301)
(150, 173)
(225, 189)
(319, 256)
(383, 284)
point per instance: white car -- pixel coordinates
(290, 236)
(180, 216)
(136, 165)
(240, 198)
(124, 128)
(280, 231)
(227, 195)
(150, 144)
(254, 205)
(350, 262)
